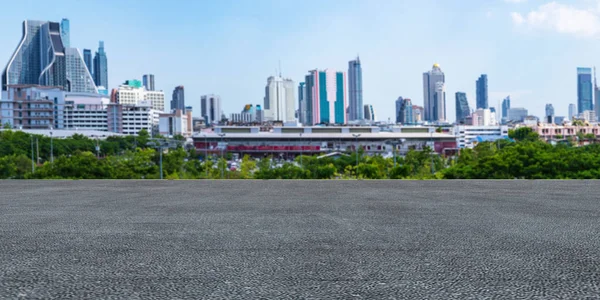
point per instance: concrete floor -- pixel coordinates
(300, 239)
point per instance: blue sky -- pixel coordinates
(530, 49)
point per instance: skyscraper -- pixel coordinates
(101, 67)
(65, 32)
(302, 103)
(78, 77)
(434, 94)
(549, 110)
(505, 108)
(178, 100)
(572, 111)
(596, 95)
(369, 112)
(87, 58)
(404, 111)
(148, 80)
(462, 107)
(584, 90)
(210, 108)
(355, 90)
(30, 65)
(482, 92)
(280, 99)
(326, 97)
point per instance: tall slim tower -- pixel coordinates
(462, 107)
(87, 58)
(148, 80)
(79, 78)
(355, 90)
(596, 95)
(482, 92)
(65, 32)
(178, 101)
(434, 94)
(280, 99)
(585, 95)
(101, 67)
(505, 108)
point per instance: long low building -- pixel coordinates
(296, 140)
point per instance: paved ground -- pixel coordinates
(300, 239)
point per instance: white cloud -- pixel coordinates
(561, 18)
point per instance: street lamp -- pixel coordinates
(395, 145)
(32, 163)
(205, 153)
(356, 136)
(51, 147)
(222, 146)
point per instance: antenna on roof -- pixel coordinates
(280, 68)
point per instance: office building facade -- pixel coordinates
(326, 97)
(178, 100)
(572, 111)
(517, 114)
(584, 90)
(280, 99)
(65, 32)
(101, 67)
(148, 82)
(462, 107)
(210, 108)
(481, 90)
(434, 95)
(369, 112)
(87, 59)
(505, 108)
(78, 76)
(302, 103)
(404, 111)
(132, 93)
(549, 110)
(355, 90)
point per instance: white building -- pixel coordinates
(176, 123)
(280, 100)
(86, 111)
(588, 115)
(210, 108)
(466, 136)
(484, 117)
(130, 119)
(32, 107)
(132, 94)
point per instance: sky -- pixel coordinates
(530, 49)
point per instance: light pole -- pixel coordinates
(356, 136)
(205, 153)
(301, 151)
(51, 147)
(222, 167)
(32, 164)
(160, 148)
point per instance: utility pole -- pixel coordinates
(222, 146)
(161, 167)
(356, 136)
(51, 147)
(32, 164)
(301, 151)
(37, 151)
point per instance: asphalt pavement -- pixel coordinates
(300, 239)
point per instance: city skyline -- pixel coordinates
(517, 66)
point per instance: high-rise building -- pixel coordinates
(572, 111)
(78, 77)
(132, 93)
(434, 94)
(148, 81)
(462, 107)
(505, 108)
(87, 58)
(584, 90)
(482, 92)
(30, 65)
(101, 67)
(210, 108)
(326, 97)
(65, 32)
(302, 103)
(549, 110)
(418, 113)
(596, 95)
(280, 99)
(369, 112)
(588, 115)
(355, 90)
(517, 114)
(178, 101)
(404, 111)
(483, 117)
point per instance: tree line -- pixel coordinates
(524, 156)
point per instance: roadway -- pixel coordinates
(300, 239)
